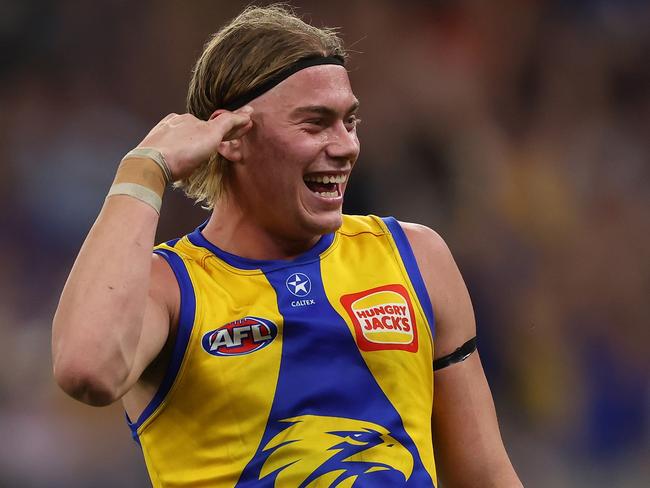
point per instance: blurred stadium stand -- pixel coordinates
(519, 129)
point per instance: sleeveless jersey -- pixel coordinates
(313, 372)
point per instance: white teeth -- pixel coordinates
(327, 178)
(328, 194)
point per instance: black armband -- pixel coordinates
(459, 355)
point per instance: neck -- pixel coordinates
(236, 231)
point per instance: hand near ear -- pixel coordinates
(187, 142)
(230, 144)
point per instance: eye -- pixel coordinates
(317, 122)
(314, 125)
(357, 437)
(352, 122)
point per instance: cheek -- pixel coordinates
(289, 158)
(268, 145)
(263, 146)
(356, 141)
(278, 158)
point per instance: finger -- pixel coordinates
(238, 131)
(229, 123)
(245, 110)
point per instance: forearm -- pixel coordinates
(469, 449)
(98, 321)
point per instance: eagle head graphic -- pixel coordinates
(320, 451)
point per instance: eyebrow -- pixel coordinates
(323, 110)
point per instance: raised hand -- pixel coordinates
(187, 142)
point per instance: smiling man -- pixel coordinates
(281, 344)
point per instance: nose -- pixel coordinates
(343, 144)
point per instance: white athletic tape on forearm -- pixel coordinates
(153, 154)
(139, 192)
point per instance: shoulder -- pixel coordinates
(434, 259)
(445, 286)
(428, 246)
(164, 289)
(423, 236)
(161, 272)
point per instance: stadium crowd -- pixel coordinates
(519, 129)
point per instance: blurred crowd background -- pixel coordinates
(519, 129)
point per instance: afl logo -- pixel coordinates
(299, 284)
(242, 336)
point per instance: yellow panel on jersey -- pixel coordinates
(387, 320)
(314, 372)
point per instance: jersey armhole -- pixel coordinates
(411, 265)
(185, 324)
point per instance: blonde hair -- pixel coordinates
(254, 46)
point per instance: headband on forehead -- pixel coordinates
(279, 77)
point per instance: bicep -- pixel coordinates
(161, 309)
(454, 314)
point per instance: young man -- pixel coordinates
(281, 343)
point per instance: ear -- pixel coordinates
(231, 150)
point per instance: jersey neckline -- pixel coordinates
(198, 239)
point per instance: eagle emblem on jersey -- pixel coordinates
(321, 451)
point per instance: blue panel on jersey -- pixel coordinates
(173, 242)
(406, 252)
(185, 323)
(327, 398)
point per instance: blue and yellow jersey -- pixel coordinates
(314, 372)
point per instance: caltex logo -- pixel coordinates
(299, 284)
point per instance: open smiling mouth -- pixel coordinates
(327, 186)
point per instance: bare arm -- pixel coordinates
(467, 442)
(98, 345)
(97, 325)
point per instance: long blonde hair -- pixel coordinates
(255, 45)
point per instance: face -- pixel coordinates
(297, 158)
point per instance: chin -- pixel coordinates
(324, 224)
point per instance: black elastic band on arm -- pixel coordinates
(279, 77)
(459, 355)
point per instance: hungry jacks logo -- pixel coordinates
(383, 318)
